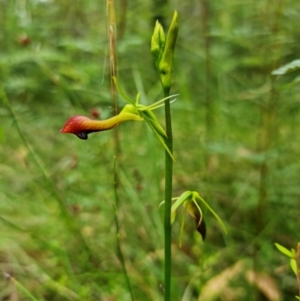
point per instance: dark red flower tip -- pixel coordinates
(79, 126)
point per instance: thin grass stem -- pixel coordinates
(113, 74)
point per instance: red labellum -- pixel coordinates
(78, 125)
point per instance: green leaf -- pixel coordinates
(284, 250)
(298, 298)
(293, 265)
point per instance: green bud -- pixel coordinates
(166, 62)
(157, 42)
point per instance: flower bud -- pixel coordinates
(166, 62)
(157, 42)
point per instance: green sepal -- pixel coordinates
(155, 105)
(179, 201)
(151, 119)
(122, 93)
(198, 197)
(162, 140)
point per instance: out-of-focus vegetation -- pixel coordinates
(236, 142)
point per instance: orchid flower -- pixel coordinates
(81, 126)
(191, 201)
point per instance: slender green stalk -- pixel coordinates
(113, 73)
(168, 197)
(20, 287)
(163, 49)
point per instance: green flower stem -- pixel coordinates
(163, 54)
(168, 197)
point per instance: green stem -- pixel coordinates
(168, 197)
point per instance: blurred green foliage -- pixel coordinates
(236, 141)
